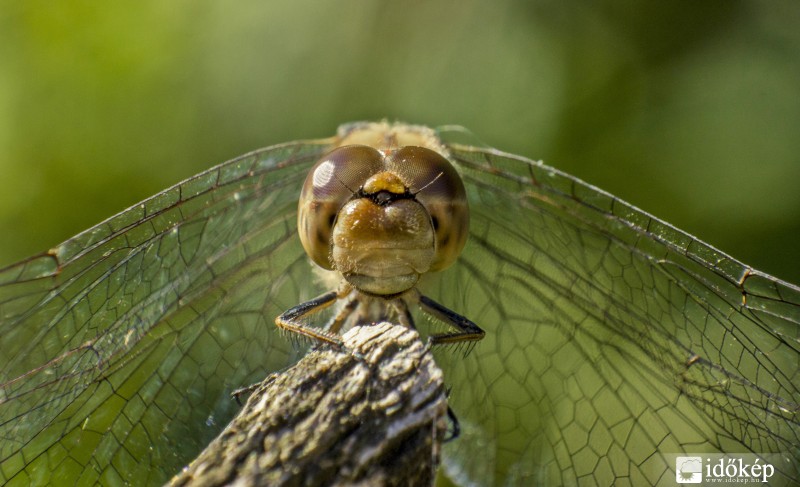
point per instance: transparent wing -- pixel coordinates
(613, 339)
(119, 347)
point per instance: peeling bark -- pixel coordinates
(373, 413)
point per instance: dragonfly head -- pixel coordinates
(382, 218)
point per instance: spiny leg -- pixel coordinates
(290, 319)
(467, 330)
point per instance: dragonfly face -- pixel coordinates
(613, 340)
(382, 219)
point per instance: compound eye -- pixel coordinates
(438, 187)
(328, 186)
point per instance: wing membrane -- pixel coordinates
(122, 343)
(613, 339)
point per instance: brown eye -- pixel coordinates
(341, 173)
(438, 187)
(328, 186)
(419, 167)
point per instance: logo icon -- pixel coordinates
(689, 470)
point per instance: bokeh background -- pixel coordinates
(689, 110)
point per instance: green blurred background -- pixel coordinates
(689, 110)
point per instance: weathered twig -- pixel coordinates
(372, 414)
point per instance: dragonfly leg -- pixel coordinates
(455, 427)
(404, 314)
(247, 390)
(290, 319)
(336, 323)
(467, 330)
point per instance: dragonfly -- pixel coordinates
(612, 339)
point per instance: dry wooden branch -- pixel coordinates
(372, 414)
